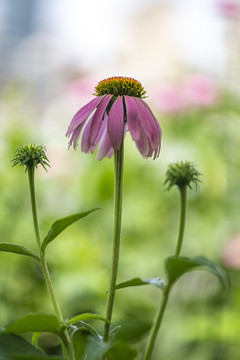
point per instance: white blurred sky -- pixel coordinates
(94, 31)
(119, 37)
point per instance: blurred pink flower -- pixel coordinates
(229, 8)
(196, 91)
(117, 108)
(168, 99)
(199, 91)
(231, 252)
(80, 88)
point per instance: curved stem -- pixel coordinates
(43, 263)
(34, 206)
(118, 187)
(156, 325)
(161, 311)
(183, 203)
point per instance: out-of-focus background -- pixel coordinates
(186, 54)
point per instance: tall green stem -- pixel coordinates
(183, 205)
(156, 325)
(43, 262)
(118, 188)
(163, 304)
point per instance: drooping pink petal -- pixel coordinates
(75, 136)
(133, 117)
(105, 148)
(110, 153)
(157, 150)
(83, 114)
(143, 143)
(86, 144)
(100, 134)
(115, 123)
(98, 118)
(149, 123)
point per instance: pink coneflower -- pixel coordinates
(199, 91)
(118, 107)
(229, 8)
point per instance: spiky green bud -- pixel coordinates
(30, 156)
(182, 174)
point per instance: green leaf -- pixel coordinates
(88, 328)
(177, 266)
(14, 347)
(17, 249)
(158, 282)
(85, 316)
(79, 340)
(96, 349)
(118, 350)
(35, 338)
(121, 351)
(61, 224)
(115, 349)
(35, 323)
(131, 331)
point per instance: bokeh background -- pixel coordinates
(186, 54)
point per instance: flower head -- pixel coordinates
(118, 107)
(230, 8)
(182, 174)
(31, 156)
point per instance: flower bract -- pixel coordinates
(182, 174)
(118, 107)
(31, 156)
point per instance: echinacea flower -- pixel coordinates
(118, 107)
(230, 8)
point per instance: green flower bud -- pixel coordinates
(30, 156)
(182, 174)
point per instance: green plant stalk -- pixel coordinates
(157, 324)
(43, 263)
(163, 305)
(118, 189)
(183, 206)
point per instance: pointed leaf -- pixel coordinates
(61, 224)
(85, 316)
(89, 328)
(158, 282)
(18, 249)
(14, 347)
(177, 266)
(133, 331)
(35, 323)
(121, 351)
(79, 340)
(118, 350)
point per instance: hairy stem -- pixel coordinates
(163, 305)
(43, 263)
(156, 325)
(118, 188)
(183, 203)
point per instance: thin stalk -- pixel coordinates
(183, 203)
(118, 189)
(163, 305)
(156, 325)
(43, 263)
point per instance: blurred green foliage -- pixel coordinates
(200, 321)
